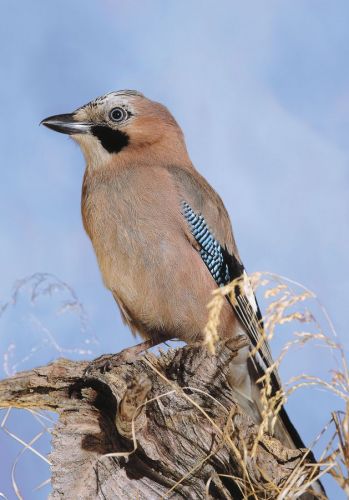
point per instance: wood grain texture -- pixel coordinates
(190, 427)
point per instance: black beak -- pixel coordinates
(66, 124)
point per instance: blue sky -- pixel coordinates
(261, 90)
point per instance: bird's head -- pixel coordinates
(120, 124)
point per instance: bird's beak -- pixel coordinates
(66, 124)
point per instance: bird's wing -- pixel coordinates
(211, 235)
(225, 268)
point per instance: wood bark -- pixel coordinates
(174, 426)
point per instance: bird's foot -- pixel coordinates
(101, 364)
(107, 362)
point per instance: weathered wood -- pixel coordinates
(174, 425)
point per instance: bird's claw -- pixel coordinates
(107, 362)
(103, 364)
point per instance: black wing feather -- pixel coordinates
(225, 268)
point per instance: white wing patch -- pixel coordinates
(249, 293)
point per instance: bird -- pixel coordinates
(161, 234)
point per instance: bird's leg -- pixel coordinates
(106, 362)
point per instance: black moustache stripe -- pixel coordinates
(112, 140)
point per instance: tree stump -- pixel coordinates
(167, 426)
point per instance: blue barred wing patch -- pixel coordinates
(211, 251)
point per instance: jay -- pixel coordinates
(162, 236)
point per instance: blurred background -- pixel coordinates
(261, 90)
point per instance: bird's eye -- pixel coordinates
(118, 114)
